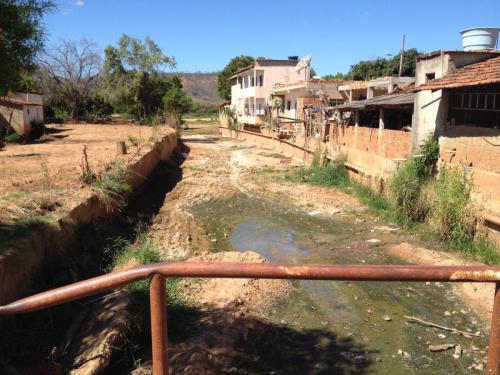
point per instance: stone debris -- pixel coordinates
(387, 318)
(385, 228)
(406, 356)
(441, 347)
(373, 242)
(458, 351)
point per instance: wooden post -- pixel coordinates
(121, 148)
(381, 124)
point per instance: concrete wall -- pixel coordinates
(15, 118)
(476, 148)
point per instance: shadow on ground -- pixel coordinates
(223, 342)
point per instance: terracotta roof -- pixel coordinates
(482, 73)
(457, 51)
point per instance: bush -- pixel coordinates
(96, 108)
(331, 175)
(14, 138)
(407, 184)
(112, 185)
(453, 215)
(54, 114)
(203, 109)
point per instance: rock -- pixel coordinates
(441, 336)
(336, 211)
(458, 351)
(385, 228)
(387, 318)
(406, 356)
(313, 213)
(447, 313)
(441, 347)
(373, 242)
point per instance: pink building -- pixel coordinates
(252, 86)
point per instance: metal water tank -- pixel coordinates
(479, 38)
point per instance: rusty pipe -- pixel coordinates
(493, 364)
(252, 270)
(159, 341)
(492, 220)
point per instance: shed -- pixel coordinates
(20, 110)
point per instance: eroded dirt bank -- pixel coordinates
(233, 198)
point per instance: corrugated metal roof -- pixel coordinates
(380, 101)
(481, 73)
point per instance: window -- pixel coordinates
(477, 101)
(430, 76)
(261, 80)
(288, 105)
(253, 82)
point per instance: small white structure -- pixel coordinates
(20, 110)
(251, 86)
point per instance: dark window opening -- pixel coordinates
(430, 77)
(288, 105)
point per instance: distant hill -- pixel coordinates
(201, 87)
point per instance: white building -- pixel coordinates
(252, 86)
(21, 110)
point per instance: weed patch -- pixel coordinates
(331, 175)
(112, 185)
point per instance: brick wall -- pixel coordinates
(387, 143)
(479, 149)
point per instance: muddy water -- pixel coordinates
(367, 318)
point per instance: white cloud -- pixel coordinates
(66, 11)
(80, 3)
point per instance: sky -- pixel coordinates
(205, 35)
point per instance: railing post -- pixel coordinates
(159, 342)
(493, 367)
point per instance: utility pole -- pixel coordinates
(401, 55)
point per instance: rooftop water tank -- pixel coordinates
(293, 58)
(479, 38)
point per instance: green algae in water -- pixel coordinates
(350, 312)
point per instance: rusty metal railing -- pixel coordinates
(159, 271)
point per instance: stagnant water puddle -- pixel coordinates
(365, 319)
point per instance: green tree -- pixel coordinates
(236, 63)
(21, 39)
(370, 69)
(335, 77)
(175, 101)
(142, 56)
(132, 76)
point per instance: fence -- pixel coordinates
(158, 299)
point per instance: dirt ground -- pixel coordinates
(50, 169)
